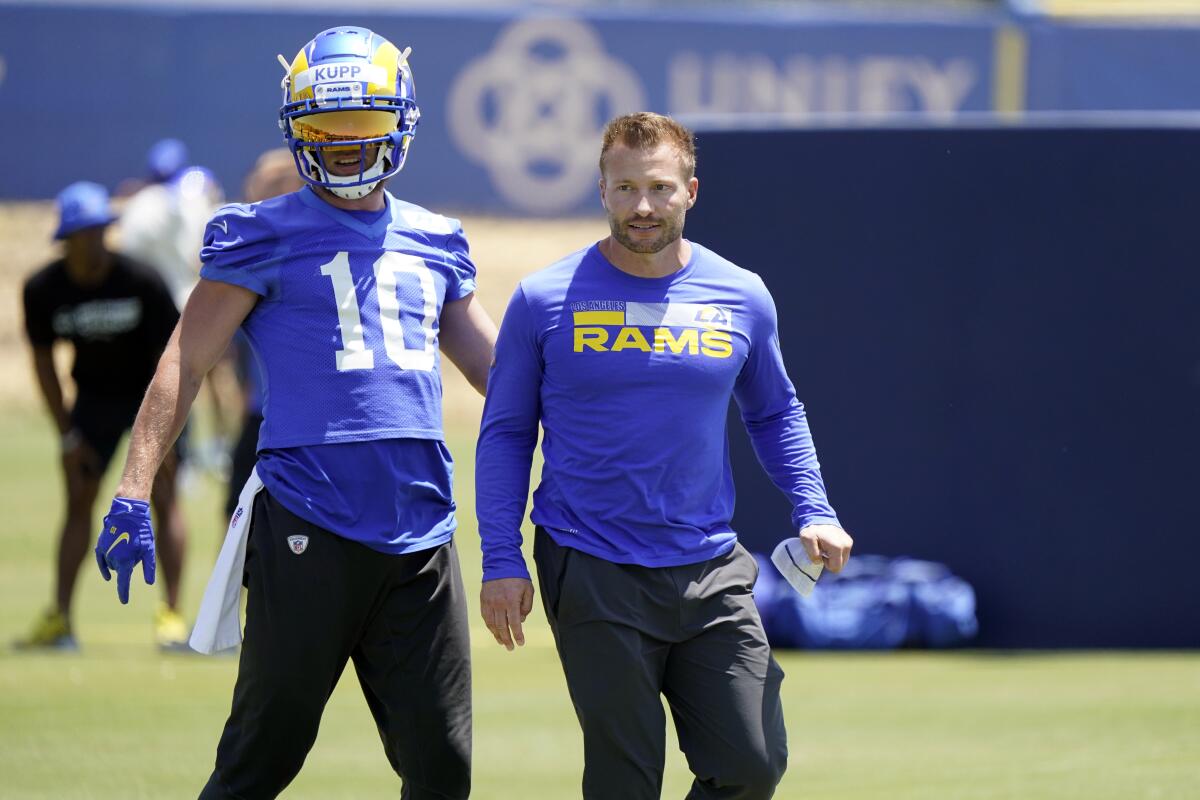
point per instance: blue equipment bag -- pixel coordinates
(875, 603)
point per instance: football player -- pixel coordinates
(117, 314)
(343, 533)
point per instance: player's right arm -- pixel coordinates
(51, 387)
(214, 311)
(41, 336)
(238, 269)
(241, 257)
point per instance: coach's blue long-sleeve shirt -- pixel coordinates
(630, 379)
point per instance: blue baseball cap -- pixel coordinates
(82, 205)
(166, 158)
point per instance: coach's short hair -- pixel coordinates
(644, 131)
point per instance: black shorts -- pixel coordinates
(101, 422)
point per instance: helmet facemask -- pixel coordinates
(349, 165)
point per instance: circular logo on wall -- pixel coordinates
(532, 110)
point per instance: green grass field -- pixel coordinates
(119, 720)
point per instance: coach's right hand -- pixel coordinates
(126, 538)
(504, 604)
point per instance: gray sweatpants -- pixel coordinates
(627, 634)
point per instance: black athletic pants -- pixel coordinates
(627, 634)
(400, 619)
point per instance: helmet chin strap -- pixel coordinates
(349, 192)
(353, 192)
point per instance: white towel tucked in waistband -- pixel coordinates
(219, 624)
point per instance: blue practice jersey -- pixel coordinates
(346, 335)
(631, 379)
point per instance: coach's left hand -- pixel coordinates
(126, 538)
(504, 604)
(828, 543)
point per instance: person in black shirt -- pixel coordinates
(118, 315)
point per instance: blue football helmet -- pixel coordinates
(349, 110)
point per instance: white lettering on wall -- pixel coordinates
(875, 86)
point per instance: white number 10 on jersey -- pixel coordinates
(388, 269)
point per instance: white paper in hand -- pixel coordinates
(793, 564)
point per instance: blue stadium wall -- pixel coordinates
(996, 333)
(513, 102)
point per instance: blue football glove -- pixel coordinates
(126, 539)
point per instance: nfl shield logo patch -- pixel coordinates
(298, 544)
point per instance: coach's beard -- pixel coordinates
(669, 231)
